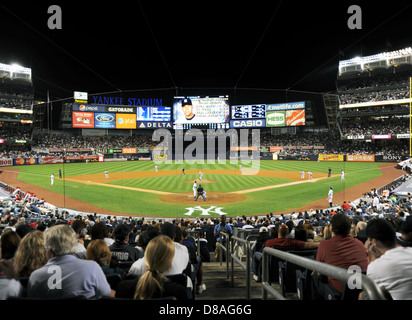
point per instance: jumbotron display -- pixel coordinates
(194, 111)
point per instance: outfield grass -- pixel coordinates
(143, 203)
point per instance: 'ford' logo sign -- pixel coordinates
(105, 117)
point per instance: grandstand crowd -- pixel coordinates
(115, 256)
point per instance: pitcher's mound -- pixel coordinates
(212, 198)
(200, 181)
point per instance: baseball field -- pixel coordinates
(135, 188)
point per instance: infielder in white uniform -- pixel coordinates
(342, 176)
(194, 189)
(52, 179)
(302, 174)
(309, 175)
(156, 168)
(330, 196)
(200, 175)
(106, 174)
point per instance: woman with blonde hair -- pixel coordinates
(30, 254)
(158, 259)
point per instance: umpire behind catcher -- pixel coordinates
(200, 193)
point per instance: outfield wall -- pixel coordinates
(5, 162)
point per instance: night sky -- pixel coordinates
(135, 45)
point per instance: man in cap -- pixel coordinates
(390, 265)
(405, 237)
(187, 109)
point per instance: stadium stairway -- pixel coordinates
(219, 286)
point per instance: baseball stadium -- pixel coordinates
(267, 194)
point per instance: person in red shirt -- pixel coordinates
(346, 206)
(290, 243)
(341, 250)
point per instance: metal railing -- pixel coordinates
(245, 265)
(368, 285)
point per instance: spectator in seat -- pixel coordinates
(256, 251)
(64, 275)
(290, 243)
(341, 250)
(98, 251)
(9, 243)
(79, 226)
(121, 248)
(405, 237)
(181, 256)
(390, 265)
(224, 227)
(100, 231)
(153, 283)
(30, 254)
(360, 232)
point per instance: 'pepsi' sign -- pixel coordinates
(88, 108)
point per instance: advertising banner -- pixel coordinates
(24, 161)
(125, 121)
(87, 108)
(5, 162)
(331, 157)
(275, 149)
(52, 160)
(295, 117)
(105, 120)
(154, 125)
(286, 106)
(275, 119)
(389, 158)
(83, 119)
(129, 150)
(160, 156)
(360, 157)
(252, 123)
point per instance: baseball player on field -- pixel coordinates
(302, 174)
(194, 189)
(200, 175)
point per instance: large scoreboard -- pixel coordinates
(189, 112)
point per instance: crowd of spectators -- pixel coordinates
(35, 237)
(374, 96)
(372, 126)
(378, 87)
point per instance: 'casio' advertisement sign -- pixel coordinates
(248, 123)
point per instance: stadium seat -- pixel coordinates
(347, 293)
(287, 270)
(125, 265)
(113, 280)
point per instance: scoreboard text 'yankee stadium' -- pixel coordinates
(128, 101)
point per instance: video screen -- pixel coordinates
(201, 110)
(249, 112)
(154, 114)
